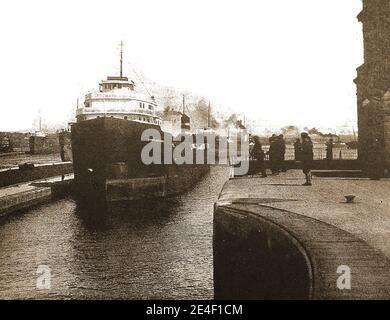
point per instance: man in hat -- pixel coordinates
(306, 157)
(258, 154)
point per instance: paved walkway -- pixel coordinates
(12, 160)
(368, 218)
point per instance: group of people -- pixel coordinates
(303, 148)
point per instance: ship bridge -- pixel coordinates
(116, 83)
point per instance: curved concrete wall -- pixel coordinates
(265, 253)
(256, 259)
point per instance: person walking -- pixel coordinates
(273, 154)
(258, 154)
(329, 151)
(306, 157)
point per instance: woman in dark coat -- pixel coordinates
(273, 154)
(297, 150)
(306, 157)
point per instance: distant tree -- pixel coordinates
(290, 130)
(167, 109)
(214, 124)
(232, 120)
(202, 112)
(315, 131)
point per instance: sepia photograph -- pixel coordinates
(195, 155)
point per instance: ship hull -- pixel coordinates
(108, 166)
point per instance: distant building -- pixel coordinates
(175, 122)
(373, 80)
(171, 122)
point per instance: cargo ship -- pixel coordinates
(106, 147)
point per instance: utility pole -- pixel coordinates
(184, 102)
(208, 115)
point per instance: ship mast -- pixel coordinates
(121, 60)
(208, 116)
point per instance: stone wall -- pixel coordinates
(256, 259)
(22, 200)
(373, 81)
(34, 172)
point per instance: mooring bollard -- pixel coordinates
(350, 198)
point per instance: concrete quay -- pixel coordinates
(18, 197)
(276, 239)
(31, 172)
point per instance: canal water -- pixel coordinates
(156, 249)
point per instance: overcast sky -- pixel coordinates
(280, 61)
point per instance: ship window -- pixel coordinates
(150, 107)
(140, 119)
(125, 117)
(119, 86)
(140, 104)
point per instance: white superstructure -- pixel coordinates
(116, 98)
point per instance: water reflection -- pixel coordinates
(149, 249)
